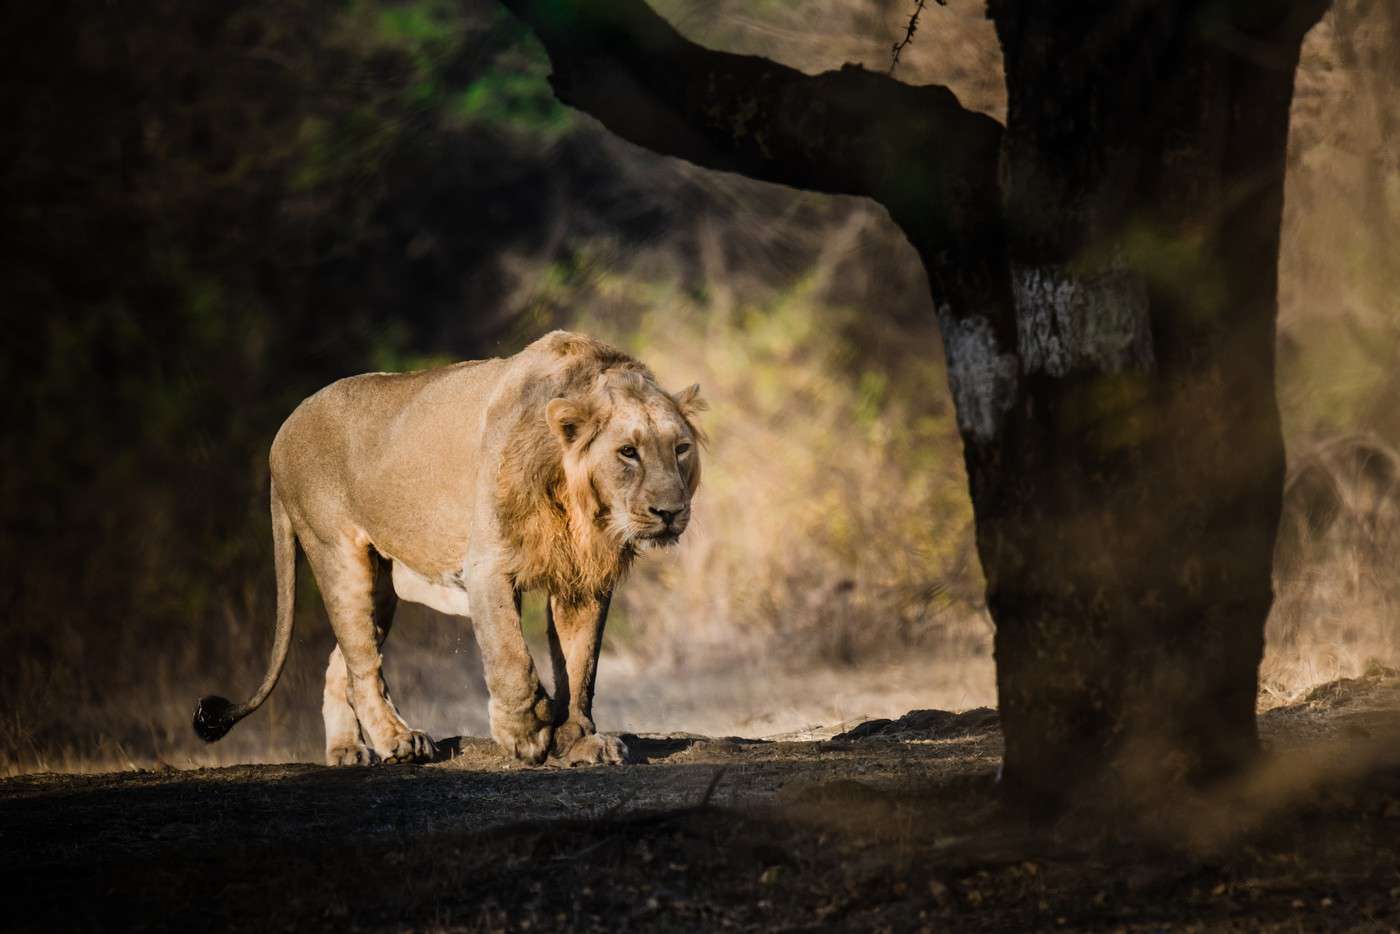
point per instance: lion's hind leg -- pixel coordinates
(362, 724)
(344, 744)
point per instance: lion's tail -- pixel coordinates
(215, 716)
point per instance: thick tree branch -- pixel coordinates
(928, 159)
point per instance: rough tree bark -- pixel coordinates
(1104, 270)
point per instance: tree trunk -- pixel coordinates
(1127, 474)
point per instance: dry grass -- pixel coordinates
(87, 718)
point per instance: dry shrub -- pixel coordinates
(1337, 605)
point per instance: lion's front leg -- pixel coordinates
(522, 718)
(575, 636)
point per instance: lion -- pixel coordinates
(461, 488)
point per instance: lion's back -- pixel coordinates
(385, 447)
(416, 459)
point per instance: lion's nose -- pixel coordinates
(665, 515)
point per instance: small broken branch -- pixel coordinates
(898, 47)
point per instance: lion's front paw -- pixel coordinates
(524, 734)
(351, 754)
(595, 749)
(412, 746)
(567, 734)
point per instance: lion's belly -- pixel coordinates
(415, 588)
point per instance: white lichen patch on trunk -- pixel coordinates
(983, 378)
(1075, 321)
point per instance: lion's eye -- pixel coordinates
(682, 448)
(628, 452)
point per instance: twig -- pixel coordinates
(898, 47)
(714, 783)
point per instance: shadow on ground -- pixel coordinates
(892, 824)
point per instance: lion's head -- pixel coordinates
(631, 456)
(614, 461)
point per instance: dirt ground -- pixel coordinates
(870, 826)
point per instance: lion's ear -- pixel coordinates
(689, 402)
(569, 420)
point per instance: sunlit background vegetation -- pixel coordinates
(215, 209)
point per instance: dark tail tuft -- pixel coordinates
(213, 718)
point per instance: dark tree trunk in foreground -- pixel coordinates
(1104, 268)
(1128, 499)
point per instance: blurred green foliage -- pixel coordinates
(512, 99)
